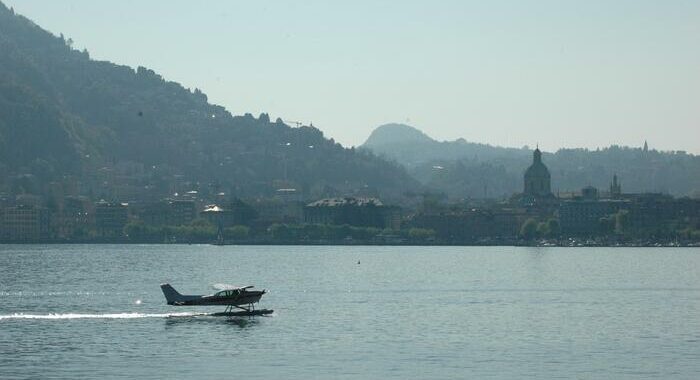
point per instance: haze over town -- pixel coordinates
(99, 151)
(561, 74)
(418, 189)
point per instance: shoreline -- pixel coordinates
(545, 244)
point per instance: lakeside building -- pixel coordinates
(649, 211)
(688, 210)
(272, 211)
(110, 218)
(472, 224)
(25, 223)
(608, 214)
(235, 213)
(358, 212)
(181, 212)
(74, 219)
(167, 212)
(586, 216)
(288, 195)
(589, 215)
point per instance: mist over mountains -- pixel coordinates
(120, 133)
(466, 169)
(117, 132)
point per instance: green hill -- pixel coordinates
(411, 147)
(106, 126)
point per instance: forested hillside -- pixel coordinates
(64, 114)
(465, 169)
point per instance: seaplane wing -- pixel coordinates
(230, 287)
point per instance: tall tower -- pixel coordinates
(537, 179)
(615, 188)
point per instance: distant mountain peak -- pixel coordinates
(467, 169)
(396, 133)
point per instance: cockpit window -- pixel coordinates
(228, 293)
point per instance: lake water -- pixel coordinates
(96, 311)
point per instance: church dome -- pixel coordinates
(537, 168)
(537, 177)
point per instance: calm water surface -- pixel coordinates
(405, 312)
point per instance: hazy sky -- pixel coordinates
(558, 73)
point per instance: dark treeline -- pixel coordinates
(201, 231)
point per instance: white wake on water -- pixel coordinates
(97, 316)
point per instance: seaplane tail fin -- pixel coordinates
(171, 295)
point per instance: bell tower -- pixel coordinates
(615, 188)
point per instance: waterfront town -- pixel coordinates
(536, 216)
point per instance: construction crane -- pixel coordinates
(297, 123)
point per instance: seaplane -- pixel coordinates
(239, 300)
